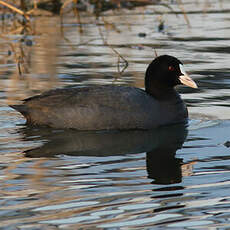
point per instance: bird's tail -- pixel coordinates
(23, 109)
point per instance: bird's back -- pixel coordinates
(102, 108)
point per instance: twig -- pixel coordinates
(15, 9)
(76, 13)
(116, 52)
(65, 4)
(180, 4)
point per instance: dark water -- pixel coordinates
(55, 179)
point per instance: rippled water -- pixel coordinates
(56, 179)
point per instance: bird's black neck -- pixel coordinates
(162, 93)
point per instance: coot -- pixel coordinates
(115, 107)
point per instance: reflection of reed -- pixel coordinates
(25, 24)
(39, 188)
(32, 189)
(37, 56)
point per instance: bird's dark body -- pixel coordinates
(102, 108)
(115, 107)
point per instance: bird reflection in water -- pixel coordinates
(159, 144)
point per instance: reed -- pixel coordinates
(28, 8)
(25, 12)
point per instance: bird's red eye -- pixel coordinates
(171, 68)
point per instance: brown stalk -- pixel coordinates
(15, 9)
(64, 5)
(155, 52)
(116, 52)
(17, 58)
(180, 4)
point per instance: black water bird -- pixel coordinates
(115, 107)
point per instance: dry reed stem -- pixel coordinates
(180, 4)
(19, 58)
(168, 7)
(116, 52)
(65, 4)
(75, 11)
(15, 9)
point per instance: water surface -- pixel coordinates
(55, 179)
